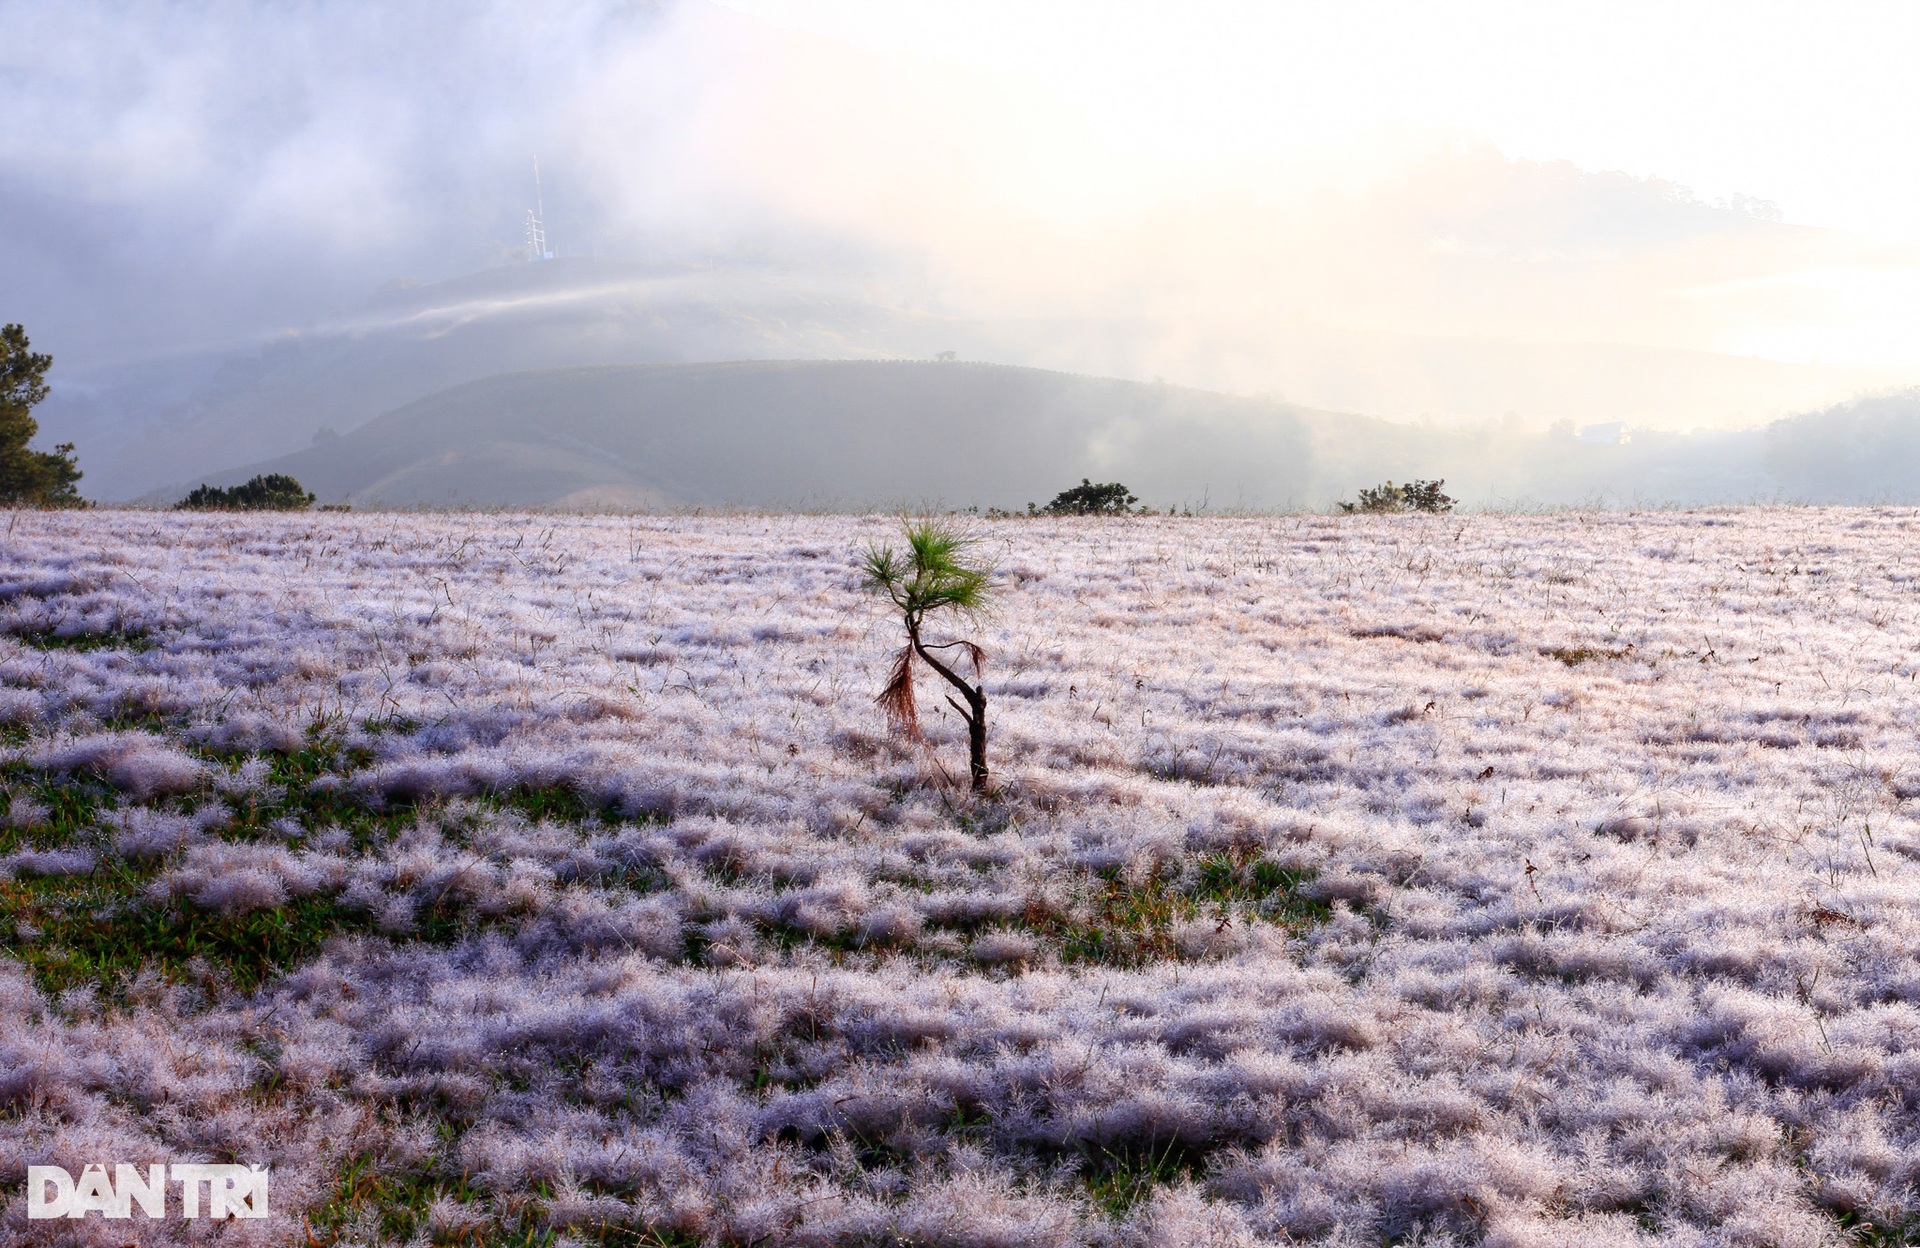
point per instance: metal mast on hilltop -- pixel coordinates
(536, 221)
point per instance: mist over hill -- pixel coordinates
(144, 428)
(720, 188)
(1863, 451)
(851, 434)
(811, 434)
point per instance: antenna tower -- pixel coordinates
(536, 221)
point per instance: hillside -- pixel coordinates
(850, 434)
(147, 426)
(817, 434)
(144, 426)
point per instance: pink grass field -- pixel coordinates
(1598, 838)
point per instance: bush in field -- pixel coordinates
(1413, 496)
(274, 491)
(1088, 499)
(28, 477)
(934, 574)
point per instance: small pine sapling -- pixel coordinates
(935, 573)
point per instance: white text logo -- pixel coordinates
(230, 1191)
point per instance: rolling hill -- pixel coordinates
(809, 434)
(144, 427)
(852, 434)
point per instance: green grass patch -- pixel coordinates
(398, 1203)
(1119, 1176)
(1132, 922)
(1870, 1231)
(98, 929)
(1121, 922)
(72, 807)
(101, 929)
(559, 803)
(133, 639)
(1260, 886)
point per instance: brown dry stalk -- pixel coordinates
(896, 700)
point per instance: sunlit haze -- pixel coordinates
(1805, 110)
(1676, 217)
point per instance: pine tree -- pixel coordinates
(28, 477)
(934, 574)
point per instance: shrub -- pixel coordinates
(1413, 496)
(1087, 499)
(274, 491)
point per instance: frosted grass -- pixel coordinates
(1609, 820)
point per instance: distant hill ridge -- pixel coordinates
(808, 433)
(143, 426)
(846, 434)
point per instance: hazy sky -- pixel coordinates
(1710, 177)
(1810, 106)
(1813, 110)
